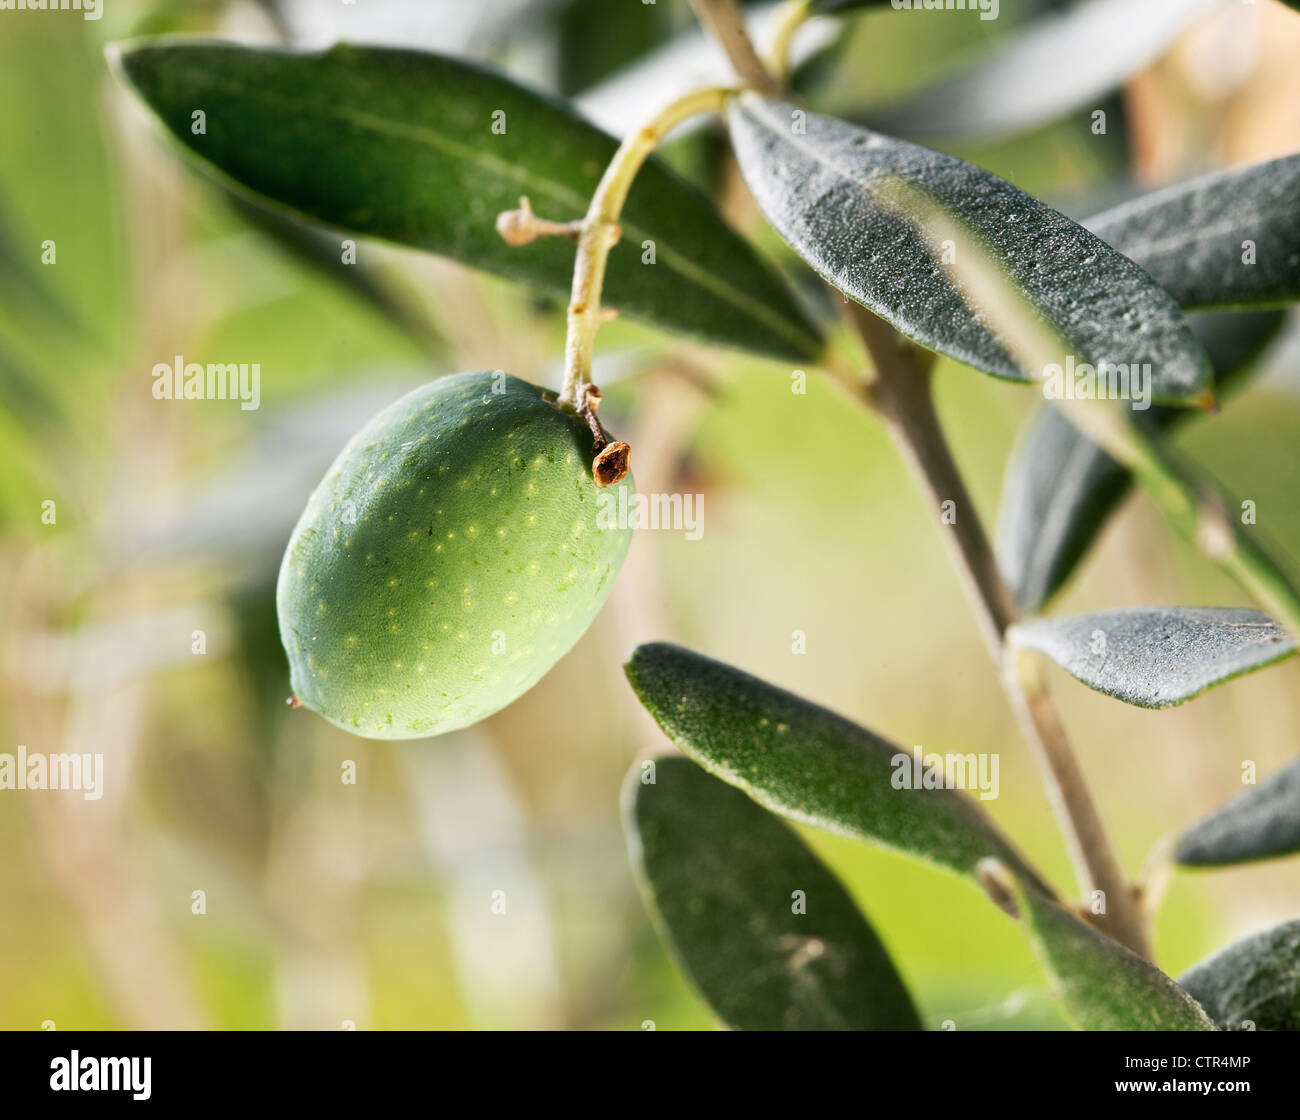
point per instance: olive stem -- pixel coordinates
(900, 394)
(600, 232)
(724, 21)
(1194, 507)
(791, 16)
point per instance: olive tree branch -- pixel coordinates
(899, 392)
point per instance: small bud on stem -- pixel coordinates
(522, 226)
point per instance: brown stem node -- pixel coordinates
(612, 464)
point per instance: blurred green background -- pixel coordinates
(329, 903)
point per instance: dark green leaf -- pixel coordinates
(400, 145)
(1191, 237)
(1060, 487)
(829, 6)
(1253, 985)
(725, 880)
(1155, 657)
(1035, 76)
(1102, 985)
(318, 251)
(828, 188)
(807, 763)
(596, 38)
(1259, 824)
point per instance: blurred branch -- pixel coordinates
(725, 22)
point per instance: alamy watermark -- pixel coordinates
(84, 1073)
(1106, 381)
(988, 9)
(680, 513)
(977, 772)
(24, 771)
(89, 9)
(217, 381)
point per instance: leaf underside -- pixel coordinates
(1102, 985)
(826, 188)
(807, 763)
(1192, 237)
(400, 145)
(1155, 657)
(1261, 823)
(1253, 984)
(766, 933)
(1060, 488)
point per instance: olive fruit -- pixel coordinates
(451, 555)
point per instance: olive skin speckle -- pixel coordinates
(390, 657)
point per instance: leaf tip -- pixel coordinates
(635, 663)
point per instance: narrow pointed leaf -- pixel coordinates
(1034, 76)
(1261, 823)
(1193, 238)
(1253, 985)
(720, 876)
(827, 188)
(401, 145)
(807, 763)
(1060, 488)
(1102, 985)
(1156, 657)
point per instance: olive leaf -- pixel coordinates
(1226, 240)
(1156, 657)
(1060, 488)
(1252, 985)
(831, 190)
(319, 252)
(1260, 823)
(1102, 985)
(425, 151)
(830, 7)
(810, 764)
(1034, 76)
(768, 935)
